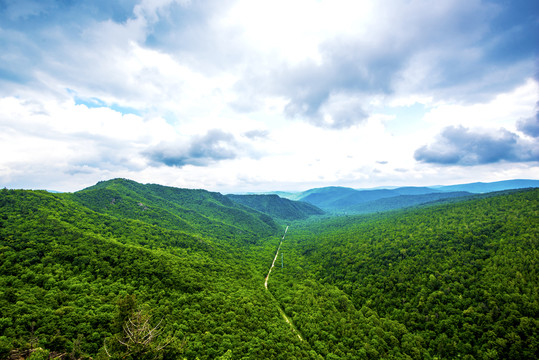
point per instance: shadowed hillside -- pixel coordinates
(278, 207)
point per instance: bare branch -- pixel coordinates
(105, 347)
(140, 337)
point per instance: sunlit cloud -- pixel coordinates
(274, 94)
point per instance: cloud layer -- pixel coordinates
(462, 146)
(342, 92)
(530, 126)
(200, 151)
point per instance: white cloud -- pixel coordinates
(502, 111)
(294, 30)
(306, 92)
(64, 138)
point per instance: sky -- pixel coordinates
(253, 96)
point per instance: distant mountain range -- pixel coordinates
(335, 199)
(481, 188)
(183, 206)
(280, 205)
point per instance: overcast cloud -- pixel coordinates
(462, 146)
(200, 151)
(269, 95)
(530, 126)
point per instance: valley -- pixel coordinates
(441, 277)
(286, 318)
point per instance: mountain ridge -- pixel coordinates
(76, 267)
(337, 199)
(278, 207)
(192, 211)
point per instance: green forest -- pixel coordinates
(122, 270)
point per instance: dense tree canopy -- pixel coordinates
(91, 274)
(64, 269)
(457, 280)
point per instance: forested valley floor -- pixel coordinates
(123, 270)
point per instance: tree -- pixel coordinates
(140, 340)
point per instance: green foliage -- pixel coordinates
(211, 215)
(5, 346)
(445, 281)
(66, 273)
(137, 337)
(277, 207)
(451, 280)
(39, 354)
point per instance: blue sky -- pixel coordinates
(240, 96)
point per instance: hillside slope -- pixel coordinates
(402, 201)
(277, 207)
(70, 279)
(456, 280)
(338, 198)
(192, 211)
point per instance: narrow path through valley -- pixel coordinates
(274, 259)
(281, 311)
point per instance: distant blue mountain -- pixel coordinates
(415, 190)
(348, 200)
(403, 201)
(480, 187)
(336, 198)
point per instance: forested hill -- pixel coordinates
(81, 271)
(278, 207)
(458, 280)
(192, 211)
(74, 282)
(403, 201)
